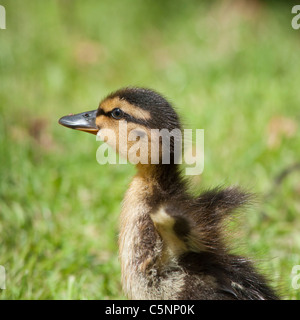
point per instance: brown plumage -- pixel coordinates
(171, 244)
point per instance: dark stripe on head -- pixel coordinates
(162, 113)
(127, 117)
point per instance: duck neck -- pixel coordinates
(164, 178)
(139, 243)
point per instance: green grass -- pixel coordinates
(231, 68)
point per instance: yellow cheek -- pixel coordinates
(107, 132)
(103, 122)
(128, 139)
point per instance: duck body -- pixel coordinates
(172, 245)
(169, 248)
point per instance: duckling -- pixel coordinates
(171, 244)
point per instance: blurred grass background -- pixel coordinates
(230, 67)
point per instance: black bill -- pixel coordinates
(84, 121)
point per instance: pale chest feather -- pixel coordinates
(144, 274)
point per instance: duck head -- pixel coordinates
(130, 114)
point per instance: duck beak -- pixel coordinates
(84, 121)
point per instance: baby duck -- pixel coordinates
(171, 244)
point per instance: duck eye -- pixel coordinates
(117, 113)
